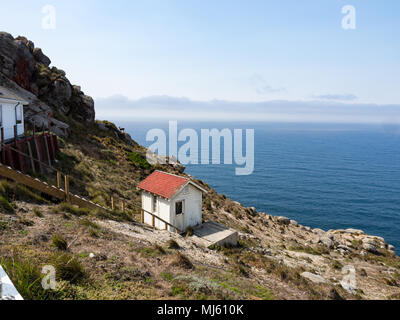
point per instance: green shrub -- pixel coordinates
(167, 276)
(152, 251)
(69, 208)
(37, 212)
(90, 224)
(59, 242)
(6, 205)
(4, 225)
(172, 244)
(138, 160)
(182, 261)
(68, 268)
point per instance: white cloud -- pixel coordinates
(181, 108)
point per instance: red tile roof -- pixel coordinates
(163, 184)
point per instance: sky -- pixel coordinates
(249, 52)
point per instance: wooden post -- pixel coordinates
(58, 179)
(142, 217)
(153, 221)
(123, 206)
(112, 203)
(66, 181)
(3, 155)
(15, 135)
(47, 149)
(166, 227)
(31, 156)
(38, 153)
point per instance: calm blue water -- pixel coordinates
(325, 176)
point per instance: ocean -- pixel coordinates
(323, 176)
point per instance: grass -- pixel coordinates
(59, 242)
(172, 244)
(37, 212)
(262, 292)
(336, 265)
(90, 224)
(317, 251)
(167, 276)
(151, 252)
(26, 277)
(4, 225)
(182, 261)
(68, 268)
(138, 160)
(178, 290)
(69, 208)
(6, 205)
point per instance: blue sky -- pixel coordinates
(227, 50)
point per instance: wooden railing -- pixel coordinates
(65, 194)
(154, 217)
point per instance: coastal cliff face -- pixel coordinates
(52, 97)
(102, 255)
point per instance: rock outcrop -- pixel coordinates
(53, 99)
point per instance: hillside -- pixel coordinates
(107, 255)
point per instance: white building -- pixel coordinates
(174, 199)
(11, 113)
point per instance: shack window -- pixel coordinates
(18, 114)
(154, 203)
(179, 207)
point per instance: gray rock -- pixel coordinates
(349, 287)
(369, 241)
(314, 277)
(318, 231)
(343, 247)
(283, 220)
(354, 231)
(370, 247)
(41, 57)
(294, 223)
(391, 248)
(327, 242)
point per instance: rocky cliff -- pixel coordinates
(54, 101)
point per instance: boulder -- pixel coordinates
(327, 242)
(294, 223)
(370, 247)
(318, 231)
(314, 277)
(283, 220)
(391, 248)
(41, 57)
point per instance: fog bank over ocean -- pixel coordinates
(317, 111)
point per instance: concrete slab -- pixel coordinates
(212, 233)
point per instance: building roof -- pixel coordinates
(165, 185)
(7, 94)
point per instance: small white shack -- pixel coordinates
(11, 113)
(174, 199)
